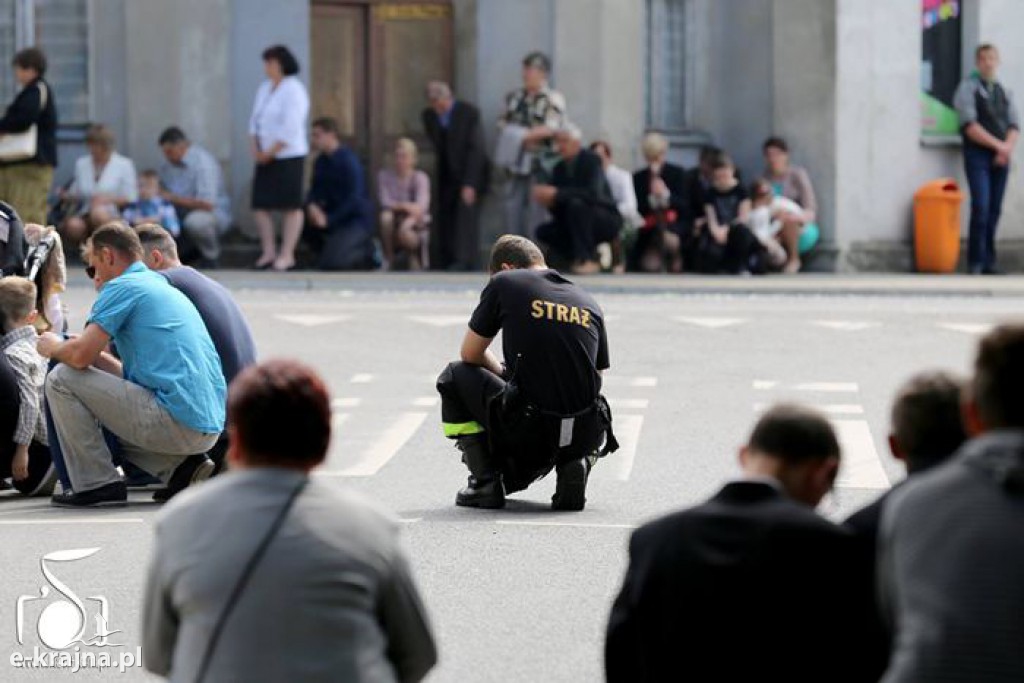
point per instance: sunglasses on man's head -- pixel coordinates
(91, 272)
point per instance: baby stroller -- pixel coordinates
(44, 265)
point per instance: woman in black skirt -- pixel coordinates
(279, 146)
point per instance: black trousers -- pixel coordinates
(741, 252)
(524, 443)
(456, 231)
(578, 227)
(341, 247)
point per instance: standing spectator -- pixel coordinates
(800, 232)
(105, 182)
(151, 207)
(12, 241)
(463, 171)
(532, 115)
(195, 186)
(725, 242)
(951, 551)
(752, 571)
(25, 182)
(214, 602)
(404, 195)
(279, 145)
(990, 123)
(580, 202)
(661, 197)
(340, 220)
(164, 398)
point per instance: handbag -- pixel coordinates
(23, 146)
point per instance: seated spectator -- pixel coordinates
(767, 215)
(621, 184)
(800, 233)
(581, 205)
(353, 610)
(661, 195)
(24, 455)
(195, 186)
(104, 183)
(164, 398)
(404, 194)
(926, 431)
(338, 216)
(724, 242)
(951, 551)
(222, 317)
(752, 571)
(151, 207)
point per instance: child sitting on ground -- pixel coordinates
(151, 207)
(766, 220)
(725, 243)
(24, 454)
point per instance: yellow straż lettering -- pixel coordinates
(574, 316)
(538, 308)
(586, 319)
(563, 313)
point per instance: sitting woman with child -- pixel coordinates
(404, 193)
(798, 231)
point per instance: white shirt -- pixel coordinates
(279, 115)
(621, 183)
(117, 179)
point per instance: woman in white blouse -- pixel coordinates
(279, 146)
(104, 181)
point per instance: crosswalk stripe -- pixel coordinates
(966, 328)
(347, 402)
(628, 403)
(829, 387)
(385, 447)
(828, 409)
(362, 378)
(618, 466)
(765, 384)
(440, 320)
(311, 319)
(846, 325)
(426, 401)
(711, 323)
(861, 467)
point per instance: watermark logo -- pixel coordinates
(66, 622)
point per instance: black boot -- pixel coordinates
(485, 489)
(571, 486)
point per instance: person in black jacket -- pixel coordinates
(25, 182)
(13, 246)
(661, 199)
(454, 130)
(752, 585)
(581, 204)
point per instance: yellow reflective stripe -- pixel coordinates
(462, 428)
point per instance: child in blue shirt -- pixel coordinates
(151, 207)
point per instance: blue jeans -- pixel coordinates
(988, 185)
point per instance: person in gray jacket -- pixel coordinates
(267, 574)
(951, 551)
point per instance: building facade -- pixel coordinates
(843, 80)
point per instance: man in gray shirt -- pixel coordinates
(195, 186)
(268, 574)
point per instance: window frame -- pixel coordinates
(690, 71)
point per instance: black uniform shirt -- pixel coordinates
(553, 337)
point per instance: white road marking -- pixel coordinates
(628, 403)
(410, 520)
(440, 320)
(618, 466)
(426, 401)
(829, 387)
(385, 447)
(311, 319)
(967, 328)
(846, 325)
(338, 419)
(711, 323)
(77, 520)
(861, 467)
(644, 382)
(362, 378)
(764, 384)
(578, 525)
(622, 380)
(346, 402)
(828, 409)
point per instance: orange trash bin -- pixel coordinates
(937, 226)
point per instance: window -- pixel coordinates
(61, 29)
(667, 76)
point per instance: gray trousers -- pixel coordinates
(85, 401)
(522, 214)
(203, 229)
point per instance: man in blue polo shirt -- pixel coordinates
(164, 399)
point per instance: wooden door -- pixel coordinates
(339, 71)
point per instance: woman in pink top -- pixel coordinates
(404, 194)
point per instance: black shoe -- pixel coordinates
(489, 495)
(114, 494)
(571, 487)
(196, 468)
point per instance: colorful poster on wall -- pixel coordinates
(941, 68)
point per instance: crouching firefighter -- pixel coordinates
(540, 409)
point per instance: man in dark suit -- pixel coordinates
(661, 199)
(752, 585)
(951, 551)
(583, 211)
(454, 130)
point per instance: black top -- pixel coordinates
(223, 319)
(460, 147)
(14, 250)
(750, 586)
(675, 179)
(339, 188)
(553, 336)
(583, 177)
(25, 111)
(726, 204)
